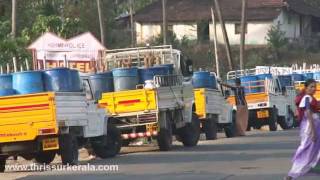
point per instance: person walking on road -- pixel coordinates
(242, 107)
(307, 155)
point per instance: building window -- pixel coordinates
(237, 28)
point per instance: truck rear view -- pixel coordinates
(151, 100)
(269, 102)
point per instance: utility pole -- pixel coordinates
(132, 23)
(215, 43)
(243, 33)
(225, 35)
(164, 19)
(14, 14)
(100, 22)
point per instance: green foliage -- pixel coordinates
(171, 39)
(276, 38)
(66, 28)
(11, 47)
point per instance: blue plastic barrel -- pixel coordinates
(285, 80)
(101, 83)
(27, 82)
(213, 81)
(316, 75)
(149, 73)
(125, 79)
(308, 76)
(298, 77)
(251, 84)
(170, 66)
(62, 80)
(201, 79)
(6, 81)
(75, 80)
(7, 92)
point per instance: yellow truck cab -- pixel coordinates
(159, 112)
(269, 102)
(39, 126)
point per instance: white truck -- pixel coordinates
(214, 112)
(272, 105)
(159, 112)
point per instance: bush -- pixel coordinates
(276, 40)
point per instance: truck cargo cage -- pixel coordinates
(275, 71)
(167, 80)
(166, 54)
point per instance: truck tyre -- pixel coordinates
(110, 145)
(45, 157)
(69, 149)
(273, 126)
(2, 164)
(164, 137)
(288, 121)
(230, 129)
(210, 129)
(190, 134)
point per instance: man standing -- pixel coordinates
(242, 107)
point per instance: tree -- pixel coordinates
(276, 40)
(64, 27)
(11, 47)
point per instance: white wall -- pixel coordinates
(188, 30)
(289, 23)
(145, 32)
(256, 34)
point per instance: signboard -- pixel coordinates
(50, 51)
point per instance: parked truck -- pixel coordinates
(39, 126)
(271, 105)
(159, 112)
(214, 112)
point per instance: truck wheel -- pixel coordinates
(273, 126)
(210, 129)
(110, 145)
(190, 134)
(230, 130)
(2, 164)
(164, 137)
(287, 122)
(69, 149)
(45, 157)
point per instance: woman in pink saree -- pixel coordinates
(307, 155)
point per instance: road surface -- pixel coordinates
(261, 155)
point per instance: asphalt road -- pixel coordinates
(261, 155)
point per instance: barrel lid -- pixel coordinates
(5, 75)
(26, 72)
(104, 74)
(58, 68)
(132, 68)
